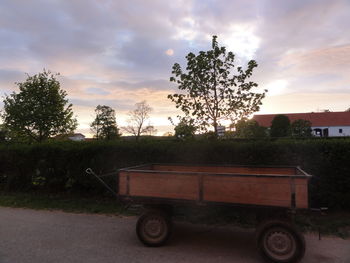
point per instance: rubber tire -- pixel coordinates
(286, 226)
(166, 224)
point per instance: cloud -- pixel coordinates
(122, 52)
(242, 40)
(306, 102)
(277, 87)
(97, 91)
(331, 60)
(8, 77)
(119, 105)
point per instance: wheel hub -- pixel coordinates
(280, 244)
(153, 228)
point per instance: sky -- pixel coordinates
(118, 53)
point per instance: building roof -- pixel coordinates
(317, 119)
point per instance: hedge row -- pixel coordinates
(60, 167)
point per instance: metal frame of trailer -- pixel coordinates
(274, 193)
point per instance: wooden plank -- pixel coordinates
(252, 190)
(227, 169)
(122, 183)
(301, 193)
(164, 185)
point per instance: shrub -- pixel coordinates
(60, 166)
(301, 128)
(280, 126)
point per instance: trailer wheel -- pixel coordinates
(153, 228)
(280, 242)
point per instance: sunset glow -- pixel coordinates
(118, 53)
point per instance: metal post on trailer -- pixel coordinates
(292, 195)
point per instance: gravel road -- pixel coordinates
(52, 236)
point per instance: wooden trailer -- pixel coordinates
(285, 187)
(259, 188)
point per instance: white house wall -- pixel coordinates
(333, 131)
(77, 138)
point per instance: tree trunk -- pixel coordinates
(216, 127)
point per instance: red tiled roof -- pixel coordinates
(316, 118)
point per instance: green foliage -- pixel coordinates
(4, 133)
(59, 167)
(211, 91)
(185, 129)
(280, 126)
(67, 203)
(301, 128)
(250, 129)
(208, 136)
(105, 126)
(39, 110)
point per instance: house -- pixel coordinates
(323, 124)
(76, 137)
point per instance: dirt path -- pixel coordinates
(43, 236)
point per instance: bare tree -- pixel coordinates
(137, 119)
(151, 130)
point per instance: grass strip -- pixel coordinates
(64, 203)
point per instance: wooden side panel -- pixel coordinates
(267, 191)
(301, 193)
(122, 183)
(252, 190)
(175, 186)
(227, 169)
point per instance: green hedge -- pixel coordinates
(60, 167)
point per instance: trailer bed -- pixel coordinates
(273, 186)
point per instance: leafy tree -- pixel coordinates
(280, 126)
(105, 126)
(249, 129)
(185, 129)
(40, 109)
(211, 91)
(301, 128)
(3, 133)
(137, 119)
